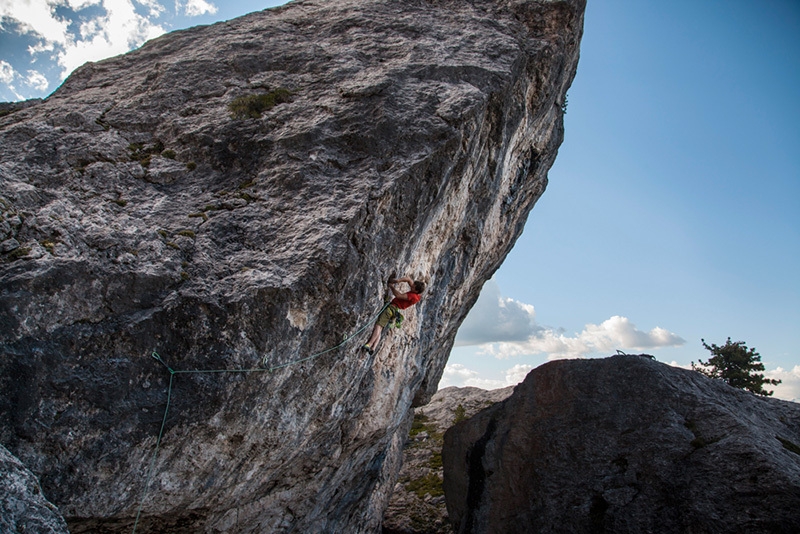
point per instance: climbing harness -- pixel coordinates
(173, 372)
(398, 321)
(395, 318)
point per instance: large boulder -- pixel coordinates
(625, 445)
(234, 197)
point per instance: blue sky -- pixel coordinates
(673, 210)
(674, 201)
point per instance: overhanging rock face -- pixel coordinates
(139, 215)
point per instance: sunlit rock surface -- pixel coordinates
(139, 215)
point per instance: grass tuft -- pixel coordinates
(252, 106)
(429, 484)
(788, 445)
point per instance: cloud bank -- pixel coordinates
(505, 328)
(61, 35)
(495, 319)
(458, 375)
(789, 388)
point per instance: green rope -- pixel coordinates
(173, 372)
(158, 441)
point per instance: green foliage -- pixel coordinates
(699, 441)
(18, 253)
(169, 154)
(191, 165)
(252, 106)
(418, 425)
(788, 445)
(737, 365)
(460, 414)
(49, 245)
(436, 460)
(429, 484)
(187, 233)
(143, 154)
(101, 121)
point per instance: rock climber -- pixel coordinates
(401, 301)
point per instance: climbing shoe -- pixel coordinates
(367, 349)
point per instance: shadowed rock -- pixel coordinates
(23, 508)
(625, 445)
(235, 196)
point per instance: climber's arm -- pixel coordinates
(401, 294)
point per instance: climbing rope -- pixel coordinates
(173, 372)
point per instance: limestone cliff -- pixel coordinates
(625, 445)
(417, 505)
(235, 196)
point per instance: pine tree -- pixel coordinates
(737, 365)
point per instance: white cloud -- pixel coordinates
(195, 8)
(457, 375)
(37, 80)
(77, 5)
(789, 388)
(155, 8)
(7, 73)
(120, 30)
(117, 31)
(495, 318)
(517, 374)
(506, 327)
(36, 17)
(610, 335)
(40, 47)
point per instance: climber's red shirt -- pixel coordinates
(412, 299)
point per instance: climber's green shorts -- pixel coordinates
(387, 315)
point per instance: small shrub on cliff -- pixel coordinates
(144, 154)
(429, 484)
(252, 106)
(737, 365)
(418, 425)
(460, 414)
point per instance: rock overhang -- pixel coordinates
(417, 137)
